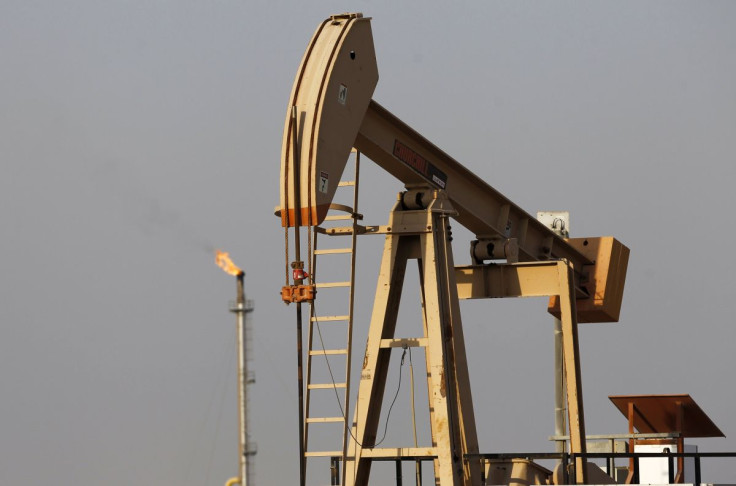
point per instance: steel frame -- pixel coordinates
(425, 235)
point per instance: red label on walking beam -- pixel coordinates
(420, 165)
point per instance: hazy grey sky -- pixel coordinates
(136, 135)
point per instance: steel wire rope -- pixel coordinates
(337, 396)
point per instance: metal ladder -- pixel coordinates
(324, 325)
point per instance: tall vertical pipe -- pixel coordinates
(559, 388)
(239, 310)
(297, 258)
(560, 399)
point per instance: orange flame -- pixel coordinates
(222, 259)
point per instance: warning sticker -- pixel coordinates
(342, 94)
(420, 165)
(323, 182)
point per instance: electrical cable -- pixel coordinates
(337, 396)
(388, 416)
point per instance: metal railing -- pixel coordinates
(569, 459)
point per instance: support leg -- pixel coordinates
(573, 379)
(436, 248)
(376, 361)
(680, 478)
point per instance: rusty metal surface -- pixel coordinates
(658, 414)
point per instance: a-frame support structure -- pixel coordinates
(424, 235)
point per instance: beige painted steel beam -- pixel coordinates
(332, 98)
(530, 279)
(398, 452)
(407, 155)
(539, 279)
(334, 112)
(452, 419)
(448, 371)
(332, 95)
(332, 90)
(375, 363)
(571, 363)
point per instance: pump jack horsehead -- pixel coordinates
(331, 113)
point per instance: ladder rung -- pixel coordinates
(340, 230)
(324, 420)
(326, 386)
(322, 352)
(322, 453)
(329, 318)
(341, 217)
(345, 183)
(327, 285)
(399, 452)
(332, 251)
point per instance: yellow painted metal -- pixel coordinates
(331, 92)
(539, 279)
(339, 327)
(571, 363)
(325, 386)
(480, 208)
(398, 452)
(452, 420)
(323, 454)
(332, 97)
(605, 280)
(529, 279)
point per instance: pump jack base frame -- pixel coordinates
(425, 235)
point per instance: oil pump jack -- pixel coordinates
(331, 115)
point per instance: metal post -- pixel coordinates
(239, 310)
(335, 470)
(300, 392)
(636, 469)
(559, 225)
(297, 258)
(611, 462)
(399, 479)
(573, 379)
(560, 409)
